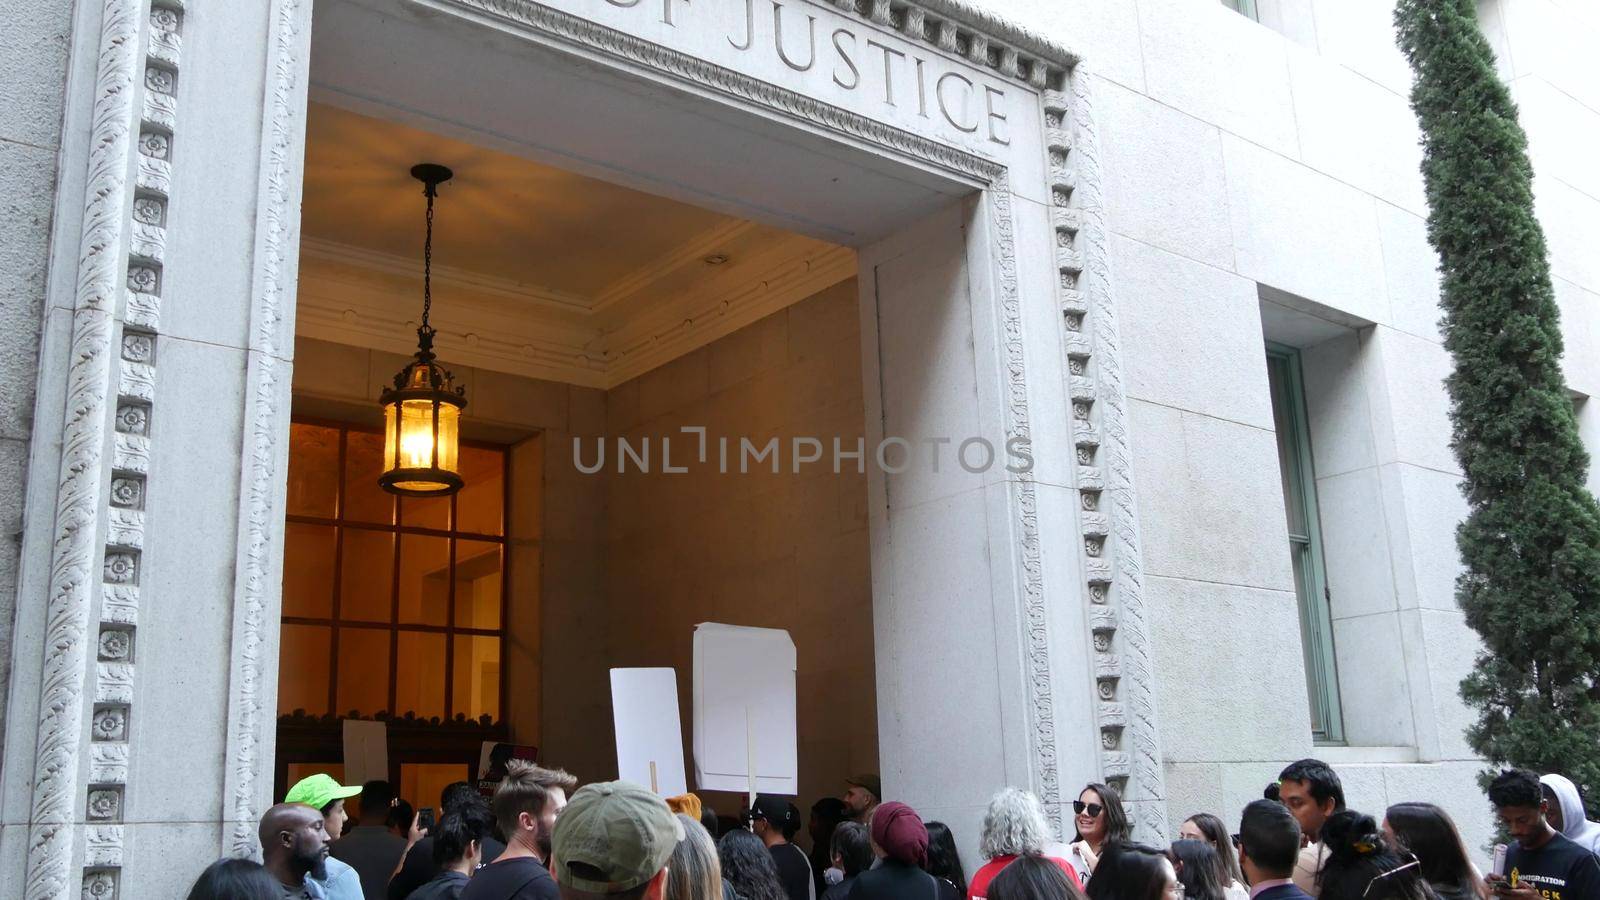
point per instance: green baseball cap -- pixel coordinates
(612, 837)
(318, 791)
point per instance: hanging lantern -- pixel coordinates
(422, 412)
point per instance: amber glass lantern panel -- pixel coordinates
(411, 445)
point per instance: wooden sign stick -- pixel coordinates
(750, 755)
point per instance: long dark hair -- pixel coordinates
(235, 879)
(1362, 865)
(943, 859)
(1200, 870)
(1427, 832)
(748, 868)
(1129, 872)
(1116, 817)
(1033, 878)
(1217, 836)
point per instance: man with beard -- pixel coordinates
(294, 848)
(526, 803)
(322, 793)
(863, 797)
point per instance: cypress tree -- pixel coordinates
(1530, 544)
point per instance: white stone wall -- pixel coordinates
(1283, 154)
(1239, 158)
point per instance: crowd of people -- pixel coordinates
(620, 841)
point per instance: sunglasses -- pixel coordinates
(1094, 809)
(1396, 870)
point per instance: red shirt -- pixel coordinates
(979, 888)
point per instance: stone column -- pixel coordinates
(141, 718)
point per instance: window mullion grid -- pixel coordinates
(450, 622)
(338, 580)
(395, 550)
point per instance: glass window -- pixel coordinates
(308, 586)
(313, 470)
(1243, 8)
(389, 607)
(1305, 540)
(481, 504)
(476, 678)
(303, 669)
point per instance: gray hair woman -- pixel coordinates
(694, 873)
(1013, 826)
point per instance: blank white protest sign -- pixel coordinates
(741, 671)
(644, 707)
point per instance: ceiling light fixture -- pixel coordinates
(422, 412)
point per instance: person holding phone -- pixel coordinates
(1541, 864)
(417, 866)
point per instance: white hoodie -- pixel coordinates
(1574, 823)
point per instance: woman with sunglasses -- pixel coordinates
(1364, 865)
(1100, 821)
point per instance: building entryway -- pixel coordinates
(630, 361)
(623, 262)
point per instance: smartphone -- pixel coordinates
(425, 818)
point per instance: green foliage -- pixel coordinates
(1531, 540)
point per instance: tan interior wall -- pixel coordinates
(628, 564)
(779, 551)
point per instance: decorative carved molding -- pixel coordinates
(712, 240)
(627, 329)
(80, 482)
(111, 392)
(253, 674)
(1035, 616)
(1123, 659)
(533, 20)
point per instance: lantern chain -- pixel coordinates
(427, 257)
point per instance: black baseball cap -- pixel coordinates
(774, 809)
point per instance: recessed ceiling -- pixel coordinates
(500, 215)
(537, 270)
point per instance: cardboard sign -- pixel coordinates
(744, 710)
(492, 758)
(644, 707)
(366, 751)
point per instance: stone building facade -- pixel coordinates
(1175, 245)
